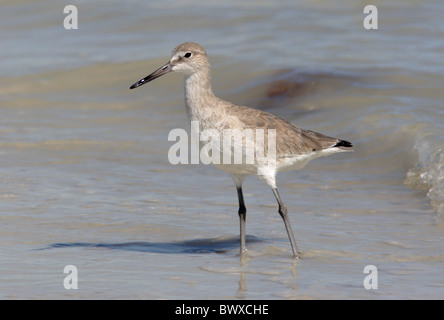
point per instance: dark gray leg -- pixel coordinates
(284, 215)
(242, 215)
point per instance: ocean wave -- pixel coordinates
(428, 175)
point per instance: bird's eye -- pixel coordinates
(187, 55)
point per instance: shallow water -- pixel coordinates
(85, 178)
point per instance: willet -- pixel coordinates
(294, 146)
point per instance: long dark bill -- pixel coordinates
(156, 74)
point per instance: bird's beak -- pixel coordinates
(156, 74)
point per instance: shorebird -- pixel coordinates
(294, 146)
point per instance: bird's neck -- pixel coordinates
(199, 97)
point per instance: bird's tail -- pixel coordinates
(344, 145)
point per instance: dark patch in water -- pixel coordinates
(200, 246)
(288, 84)
(288, 89)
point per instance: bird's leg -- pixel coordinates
(284, 215)
(242, 215)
